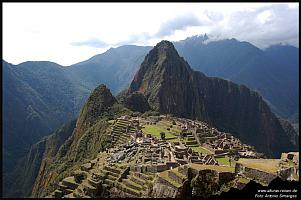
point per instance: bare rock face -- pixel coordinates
(136, 102)
(171, 86)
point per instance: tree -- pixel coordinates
(162, 134)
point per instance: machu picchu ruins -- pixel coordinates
(165, 156)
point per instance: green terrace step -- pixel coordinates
(112, 173)
(118, 131)
(109, 182)
(123, 121)
(67, 191)
(122, 141)
(132, 184)
(86, 167)
(190, 138)
(176, 176)
(105, 185)
(164, 175)
(112, 178)
(70, 182)
(127, 189)
(193, 145)
(114, 136)
(137, 180)
(93, 182)
(192, 142)
(62, 187)
(58, 193)
(91, 190)
(122, 124)
(124, 136)
(70, 195)
(142, 176)
(112, 169)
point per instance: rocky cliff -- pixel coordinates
(171, 86)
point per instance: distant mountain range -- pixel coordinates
(38, 97)
(273, 72)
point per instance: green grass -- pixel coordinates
(173, 140)
(266, 165)
(212, 167)
(165, 176)
(224, 161)
(166, 124)
(243, 180)
(156, 130)
(201, 150)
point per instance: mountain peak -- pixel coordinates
(164, 49)
(98, 102)
(170, 86)
(160, 64)
(164, 44)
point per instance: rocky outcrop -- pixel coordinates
(171, 86)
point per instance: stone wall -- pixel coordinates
(239, 168)
(161, 168)
(172, 164)
(164, 191)
(286, 173)
(149, 168)
(124, 174)
(259, 175)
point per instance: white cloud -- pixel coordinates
(67, 33)
(264, 16)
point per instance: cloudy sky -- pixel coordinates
(68, 33)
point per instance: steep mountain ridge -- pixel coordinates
(171, 86)
(89, 136)
(114, 68)
(24, 175)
